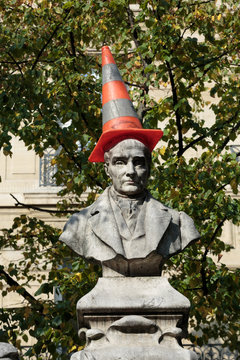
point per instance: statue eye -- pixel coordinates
(119, 162)
(139, 162)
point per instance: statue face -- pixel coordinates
(128, 167)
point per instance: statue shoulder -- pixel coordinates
(74, 230)
(185, 223)
(78, 219)
(189, 233)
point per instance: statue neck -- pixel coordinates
(116, 194)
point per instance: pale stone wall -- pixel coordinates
(20, 177)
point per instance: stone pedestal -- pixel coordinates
(133, 318)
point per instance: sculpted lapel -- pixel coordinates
(104, 225)
(157, 221)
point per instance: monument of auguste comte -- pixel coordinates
(133, 312)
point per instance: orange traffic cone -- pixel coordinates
(120, 120)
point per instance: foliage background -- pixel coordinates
(50, 96)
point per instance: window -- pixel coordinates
(47, 169)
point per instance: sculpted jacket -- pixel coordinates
(94, 233)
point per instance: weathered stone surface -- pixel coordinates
(8, 352)
(136, 352)
(132, 295)
(136, 337)
(133, 318)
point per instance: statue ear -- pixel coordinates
(106, 169)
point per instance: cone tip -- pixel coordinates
(107, 57)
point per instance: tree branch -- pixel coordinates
(33, 207)
(196, 81)
(145, 62)
(211, 131)
(20, 289)
(49, 40)
(16, 63)
(206, 70)
(177, 115)
(204, 279)
(135, 35)
(193, 289)
(209, 61)
(72, 157)
(204, 257)
(221, 188)
(195, 141)
(234, 129)
(179, 4)
(72, 44)
(182, 35)
(202, 2)
(135, 85)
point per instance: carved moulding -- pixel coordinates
(134, 318)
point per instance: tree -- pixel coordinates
(49, 77)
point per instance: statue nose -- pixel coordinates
(130, 168)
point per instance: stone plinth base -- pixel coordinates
(133, 319)
(135, 353)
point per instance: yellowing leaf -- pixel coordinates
(45, 309)
(27, 312)
(74, 347)
(78, 276)
(162, 150)
(234, 185)
(18, 343)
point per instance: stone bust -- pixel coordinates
(126, 230)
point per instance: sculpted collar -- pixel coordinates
(125, 201)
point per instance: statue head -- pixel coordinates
(128, 165)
